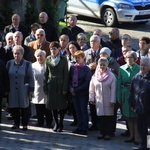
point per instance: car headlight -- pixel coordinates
(124, 6)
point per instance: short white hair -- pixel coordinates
(95, 37)
(39, 51)
(40, 30)
(18, 48)
(8, 35)
(145, 59)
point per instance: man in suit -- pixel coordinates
(50, 30)
(92, 56)
(16, 26)
(40, 43)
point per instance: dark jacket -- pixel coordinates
(84, 77)
(72, 32)
(4, 80)
(21, 28)
(139, 98)
(50, 31)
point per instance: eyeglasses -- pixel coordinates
(40, 34)
(110, 33)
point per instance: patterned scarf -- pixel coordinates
(55, 60)
(102, 77)
(75, 74)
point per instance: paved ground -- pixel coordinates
(45, 139)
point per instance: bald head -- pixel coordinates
(17, 38)
(15, 20)
(43, 17)
(72, 20)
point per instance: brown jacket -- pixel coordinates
(34, 46)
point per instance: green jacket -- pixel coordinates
(55, 82)
(126, 73)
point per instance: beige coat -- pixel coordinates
(103, 93)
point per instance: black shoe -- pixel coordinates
(14, 127)
(100, 137)
(126, 133)
(83, 132)
(74, 123)
(107, 137)
(129, 140)
(39, 125)
(93, 128)
(136, 143)
(24, 128)
(34, 116)
(77, 131)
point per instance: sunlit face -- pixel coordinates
(144, 67)
(125, 50)
(97, 33)
(79, 59)
(94, 43)
(17, 55)
(17, 38)
(54, 51)
(125, 40)
(40, 57)
(103, 55)
(40, 36)
(43, 18)
(129, 59)
(15, 20)
(63, 41)
(81, 40)
(72, 21)
(143, 45)
(72, 49)
(10, 40)
(102, 66)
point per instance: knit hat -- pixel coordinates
(105, 50)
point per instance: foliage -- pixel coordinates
(31, 12)
(6, 13)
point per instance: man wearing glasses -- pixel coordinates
(40, 43)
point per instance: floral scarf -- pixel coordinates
(75, 74)
(102, 77)
(55, 60)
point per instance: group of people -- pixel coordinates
(68, 73)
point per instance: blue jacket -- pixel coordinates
(139, 98)
(84, 77)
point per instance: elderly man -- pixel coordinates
(16, 26)
(50, 30)
(81, 40)
(100, 34)
(139, 100)
(40, 43)
(72, 30)
(92, 56)
(114, 42)
(63, 41)
(17, 38)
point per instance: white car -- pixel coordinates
(112, 11)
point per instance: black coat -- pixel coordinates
(50, 31)
(72, 32)
(21, 28)
(139, 98)
(4, 80)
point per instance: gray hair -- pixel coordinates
(66, 36)
(18, 48)
(145, 59)
(98, 30)
(95, 37)
(8, 35)
(40, 30)
(132, 54)
(129, 37)
(103, 59)
(81, 35)
(39, 51)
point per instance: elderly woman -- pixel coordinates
(21, 86)
(139, 100)
(102, 93)
(81, 40)
(80, 76)
(9, 39)
(126, 73)
(56, 84)
(40, 98)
